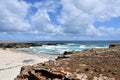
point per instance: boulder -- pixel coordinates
(114, 45)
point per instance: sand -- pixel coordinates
(11, 63)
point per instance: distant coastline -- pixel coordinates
(27, 44)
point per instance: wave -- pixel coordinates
(62, 48)
(55, 50)
(83, 46)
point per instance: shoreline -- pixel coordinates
(11, 62)
(34, 52)
(90, 64)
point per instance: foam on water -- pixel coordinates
(82, 46)
(55, 50)
(52, 51)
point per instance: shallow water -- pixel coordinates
(52, 51)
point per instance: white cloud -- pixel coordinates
(78, 16)
(12, 14)
(76, 19)
(49, 5)
(42, 23)
(41, 20)
(14, 20)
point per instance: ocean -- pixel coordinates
(52, 51)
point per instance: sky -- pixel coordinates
(45, 20)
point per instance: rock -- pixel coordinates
(70, 76)
(24, 73)
(50, 74)
(68, 53)
(114, 45)
(29, 73)
(5, 45)
(62, 57)
(28, 67)
(83, 65)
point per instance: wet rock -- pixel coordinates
(68, 53)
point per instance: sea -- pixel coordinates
(53, 51)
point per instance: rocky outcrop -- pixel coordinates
(91, 64)
(31, 73)
(6, 45)
(114, 46)
(18, 45)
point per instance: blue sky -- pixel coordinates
(39, 20)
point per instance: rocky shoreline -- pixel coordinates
(91, 64)
(25, 44)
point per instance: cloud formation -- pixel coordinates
(76, 19)
(12, 14)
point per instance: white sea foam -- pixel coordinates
(55, 50)
(83, 46)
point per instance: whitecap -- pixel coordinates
(82, 46)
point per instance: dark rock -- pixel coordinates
(86, 69)
(68, 53)
(114, 45)
(25, 44)
(62, 57)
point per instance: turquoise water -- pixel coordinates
(52, 51)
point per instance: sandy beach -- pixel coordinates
(11, 63)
